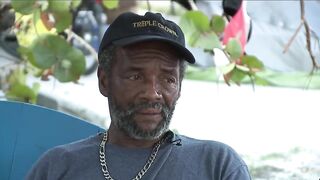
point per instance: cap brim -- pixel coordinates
(141, 38)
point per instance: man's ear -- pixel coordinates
(103, 82)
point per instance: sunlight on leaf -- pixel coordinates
(228, 68)
(242, 68)
(110, 4)
(65, 64)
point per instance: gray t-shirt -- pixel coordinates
(180, 157)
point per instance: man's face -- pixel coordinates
(143, 89)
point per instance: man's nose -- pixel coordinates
(152, 90)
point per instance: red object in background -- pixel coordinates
(236, 29)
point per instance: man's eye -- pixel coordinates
(134, 77)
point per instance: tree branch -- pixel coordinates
(292, 38)
(307, 28)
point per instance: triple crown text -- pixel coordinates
(141, 24)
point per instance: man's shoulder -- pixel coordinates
(216, 154)
(75, 147)
(214, 149)
(55, 161)
(193, 142)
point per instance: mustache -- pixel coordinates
(133, 108)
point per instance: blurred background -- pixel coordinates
(269, 116)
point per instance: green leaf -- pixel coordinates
(217, 24)
(194, 21)
(242, 68)
(227, 68)
(61, 13)
(59, 6)
(71, 67)
(18, 90)
(21, 92)
(75, 4)
(237, 75)
(50, 50)
(261, 81)
(252, 62)
(207, 41)
(18, 76)
(26, 53)
(46, 50)
(197, 73)
(24, 7)
(234, 48)
(110, 4)
(36, 87)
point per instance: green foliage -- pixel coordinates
(70, 68)
(193, 21)
(203, 74)
(61, 12)
(206, 41)
(53, 51)
(196, 27)
(237, 75)
(38, 25)
(23, 7)
(75, 3)
(111, 4)
(227, 68)
(261, 81)
(252, 62)
(234, 48)
(21, 92)
(217, 24)
(18, 90)
(206, 34)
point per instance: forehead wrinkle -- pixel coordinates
(139, 55)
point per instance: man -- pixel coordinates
(141, 69)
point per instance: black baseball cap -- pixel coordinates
(130, 28)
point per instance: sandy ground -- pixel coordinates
(259, 123)
(262, 120)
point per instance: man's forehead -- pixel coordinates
(152, 47)
(139, 57)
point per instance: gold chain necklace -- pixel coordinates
(145, 168)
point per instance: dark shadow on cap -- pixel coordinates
(144, 38)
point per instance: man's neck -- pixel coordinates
(116, 136)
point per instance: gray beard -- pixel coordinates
(123, 119)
